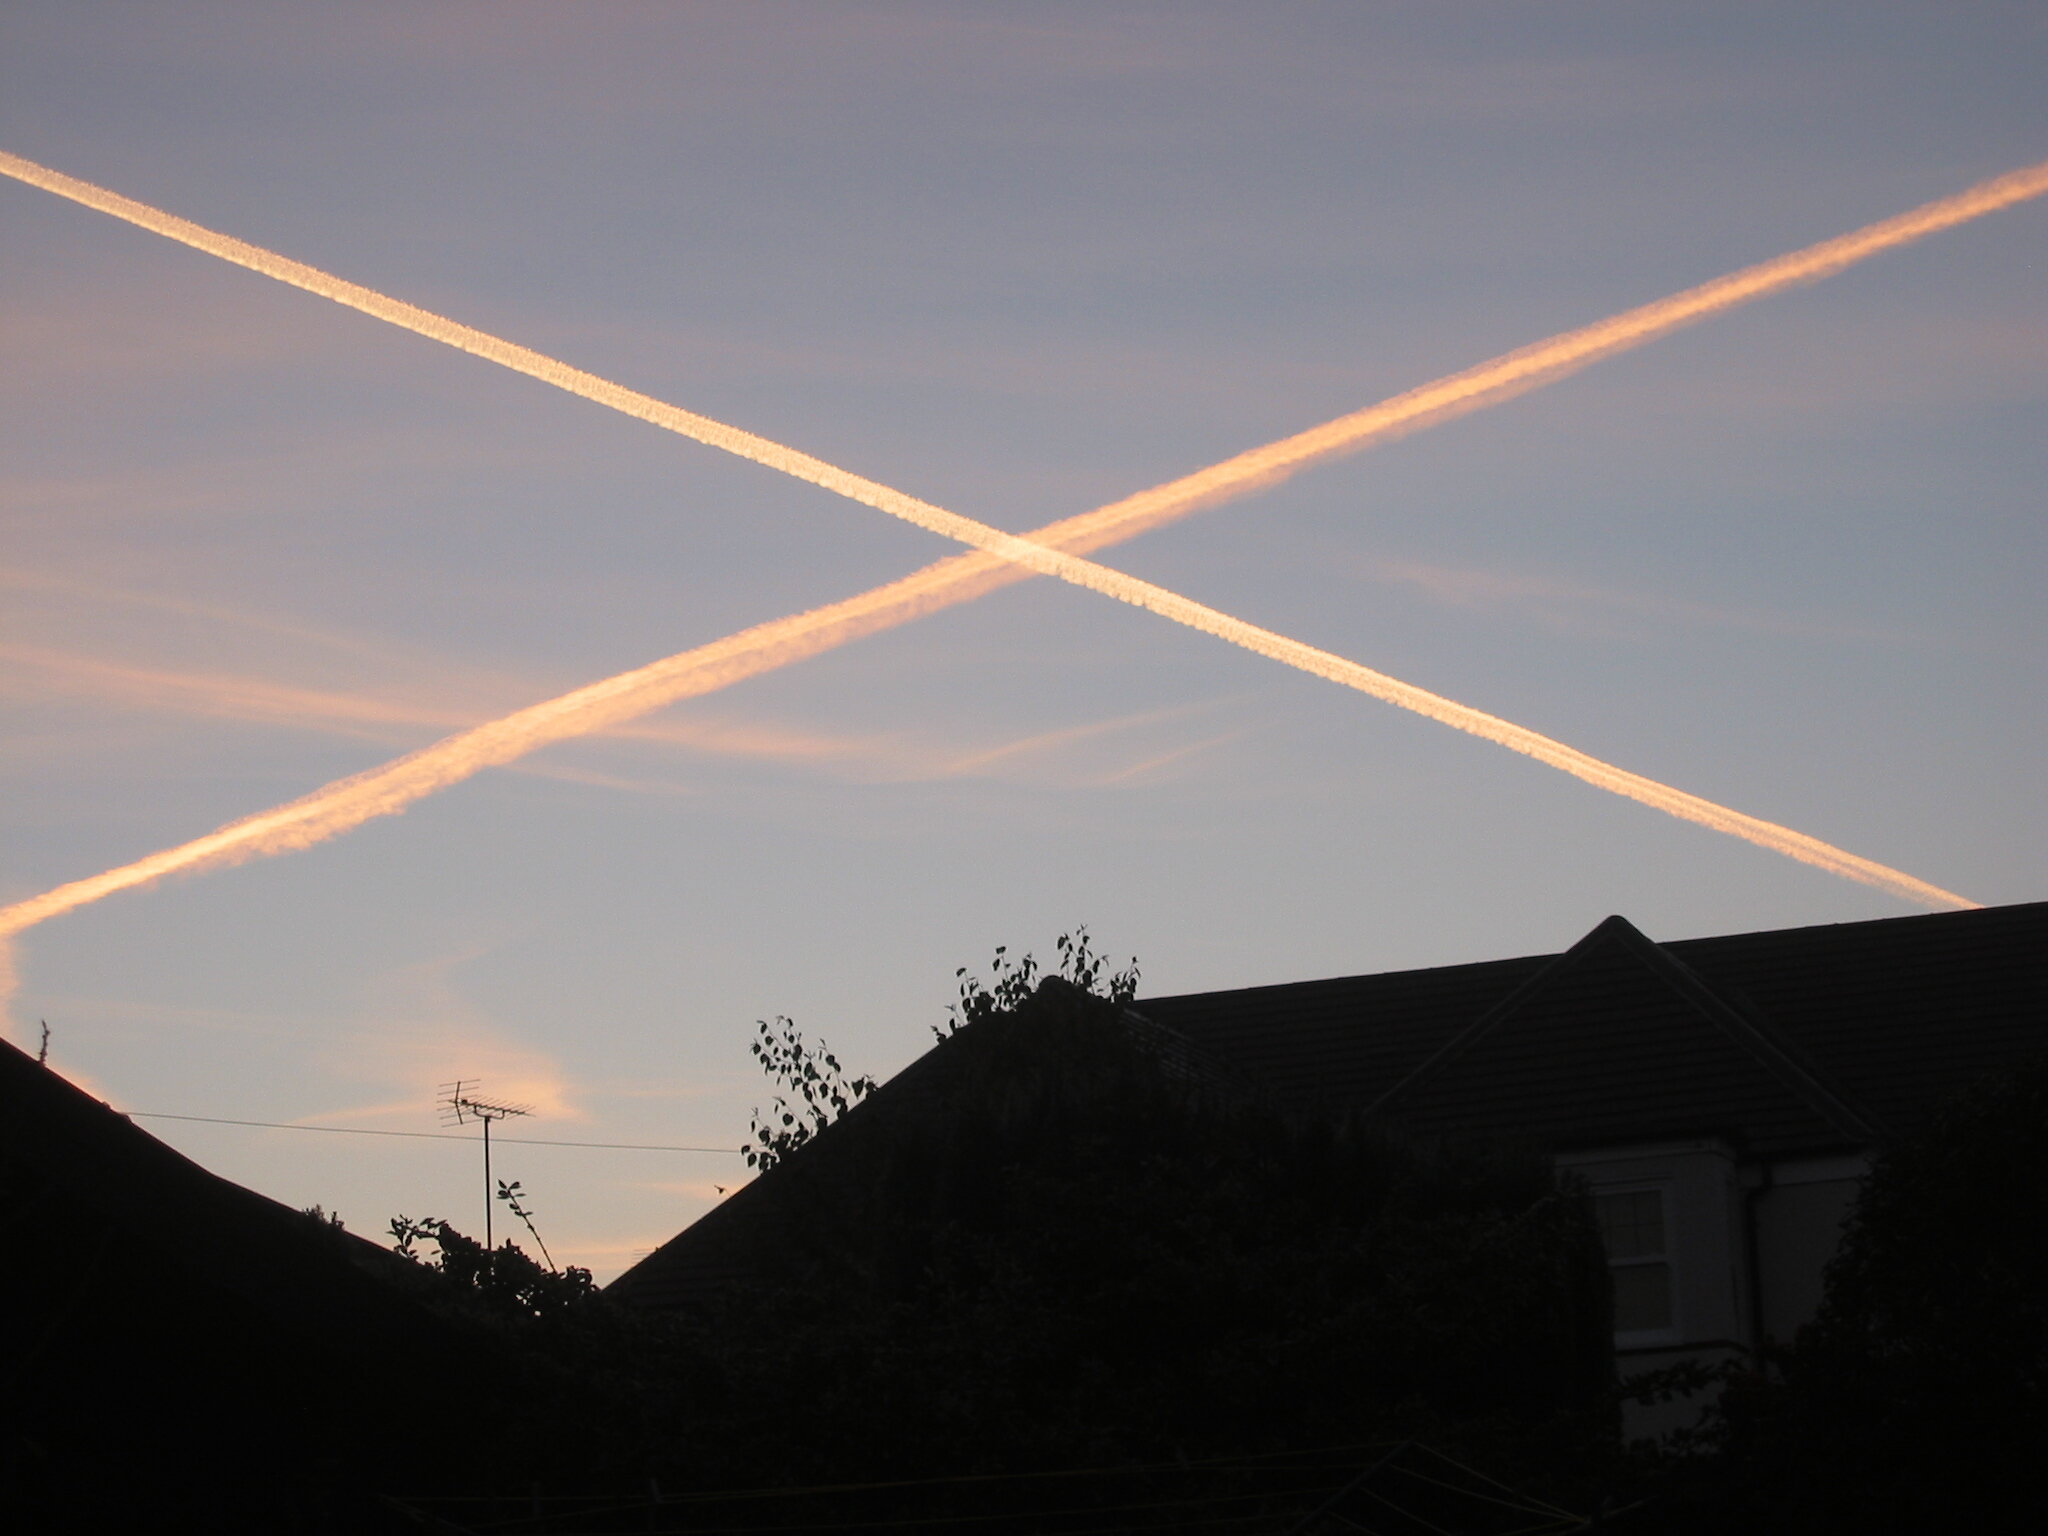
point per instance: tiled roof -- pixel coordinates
(1804, 1039)
(183, 1353)
(1615, 1041)
(949, 1098)
(1902, 1011)
(741, 1236)
(1787, 1040)
(62, 1152)
(1346, 1040)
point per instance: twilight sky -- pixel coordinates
(1018, 259)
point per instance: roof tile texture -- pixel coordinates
(1892, 1014)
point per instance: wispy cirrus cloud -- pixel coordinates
(1063, 738)
(96, 595)
(219, 695)
(1095, 753)
(418, 1030)
(707, 1189)
(10, 984)
(1585, 608)
(28, 1035)
(1151, 770)
(91, 333)
(388, 719)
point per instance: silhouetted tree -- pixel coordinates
(1047, 1250)
(816, 1092)
(1918, 1398)
(1012, 982)
(505, 1280)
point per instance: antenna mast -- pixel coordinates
(460, 1104)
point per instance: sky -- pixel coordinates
(1018, 259)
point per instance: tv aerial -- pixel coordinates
(461, 1102)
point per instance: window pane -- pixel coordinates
(1642, 1297)
(1632, 1225)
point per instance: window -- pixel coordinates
(1639, 1258)
(1670, 1215)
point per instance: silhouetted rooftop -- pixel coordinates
(1799, 1040)
(1796, 1038)
(181, 1348)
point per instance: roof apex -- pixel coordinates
(1749, 1033)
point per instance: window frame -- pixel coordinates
(1672, 1331)
(1713, 1274)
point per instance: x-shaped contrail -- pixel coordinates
(1053, 550)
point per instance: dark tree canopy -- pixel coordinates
(1942, 1279)
(1918, 1399)
(1056, 1244)
(1049, 1245)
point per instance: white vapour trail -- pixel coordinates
(384, 790)
(1256, 467)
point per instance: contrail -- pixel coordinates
(385, 790)
(1267, 465)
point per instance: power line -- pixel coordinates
(358, 1130)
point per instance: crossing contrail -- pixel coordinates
(1256, 467)
(1052, 550)
(385, 790)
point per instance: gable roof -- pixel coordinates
(182, 1351)
(1801, 1039)
(1902, 1011)
(1622, 1043)
(64, 1154)
(742, 1236)
(1795, 1040)
(994, 1084)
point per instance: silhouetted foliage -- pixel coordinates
(1918, 1398)
(1011, 983)
(816, 1088)
(1052, 1252)
(816, 1091)
(504, 1281)
(515, 1198)
(1942, 1278)
(1049, 1248)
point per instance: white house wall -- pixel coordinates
(1799, 1216)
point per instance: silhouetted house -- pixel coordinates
(177, 1346)
(946, 1107)
(1722, 1097)
(1066, 1236)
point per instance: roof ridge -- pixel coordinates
(1749, 1032)
(1740, 1019)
